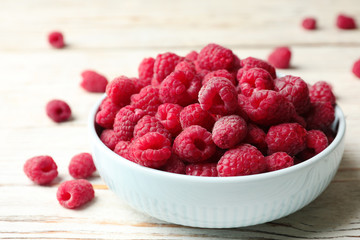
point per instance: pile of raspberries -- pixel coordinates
(212, 114)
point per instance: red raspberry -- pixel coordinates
(322, 92)
(82, 166)
(188, 67)
(194, 144)
(219, 73)
(56, 39)
(146, 71)
(320, 116)
(58, 110)
(174, 165)
(41, 169)
(194, 115)
(286, 137)
(169, 116)
(150, 124)
(75, 193)
(214, 57)
(93, 81)
(280, 57)
(356, 68)
(316, 142)
(218, 96)
(180, 89)
(147, 99)
(109, 138)
(255, 79)
(251, 62)
(164, 65)
(309, 23)
(122, 148)
(125, 122)
(151, 150)
(106, 115)
(120, 90)
(192, 56)
(278, 160)
(267, 107)
(243, 160)
(256, 136)
(345, 22)
(229, 131)
(330, 135)
(202, 169)
(295, 90)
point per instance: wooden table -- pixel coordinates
(112, 37)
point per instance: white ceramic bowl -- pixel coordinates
(218, 202)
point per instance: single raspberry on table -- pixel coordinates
(278, 160)
(109, 138)
(321, 91)
(151, 150)
(41, 170)
(214, 57)
(147, 99)
(82, 166)
(280, 57)
(202, 169)
(194, 144)
(219, 73)
(286, 137)
(174, 165)
(243, 160)
(316, 142)
(193, 114)
(309, 23)
(169, 116)
(229, 131)
(295, 90)
(125, 121)
(58, 110)
(75, 193)
(150, 124)
(106, 114)
(178, 88)
(251, 62)
(146, 71)
(164, 64)
(56, 39)
(122, 149)
(218, 96)
(255, 79)
(120, 90)
(256, 137)
(356, 68)
(345, 22)
(93, 81)
(193, 55)
(320, 116)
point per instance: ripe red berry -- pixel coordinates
(229, 131)
(202, 169)
(164, 64)
(120, 90)
(278, 160)
(147, 99)
(58, 110)
(174, 165)
(82, 166)
(356, 68)
(280, 57)
(93, 81)
(75, 193)
(146, 71)
(150, 124)
(193, 114)
(214, 57)
(255, 79)
(109, 138)
(41, 169)
(122, 148)
(321, 91)
(345, 22)
(169, 116)
(251, 62)
(309, 23)
(125, 122)
(56, 39)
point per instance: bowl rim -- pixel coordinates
(341, 128)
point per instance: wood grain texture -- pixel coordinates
(112, 37)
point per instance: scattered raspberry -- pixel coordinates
(109, 138)
(229, 131)
(82, 166)
(214, 57)
(345, 22)
(278, 160)
(218, 96)
(146, 71)
(106, 115)
(125, 122)
(194, 115)
(295, 90)
(202, 169)
(179, 89)
(316, 142)
(93, 81)
(255, 79)
(75, 193)
(280, 57)
(56, 39)
(120, 90)
(192, 56)
(174, 165)
(169, 116)
(243, 160)
(122, 149)
(356, 68)
(151, 150)
(150, 124)
(256, 136)
(194, 144)
(58, 110)
(322, 92)
(164, 65)
(147, 99)
(320, 116)
(309, 23)
(251, 62)
(286, 137)
(41, 169)
(219, 73)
